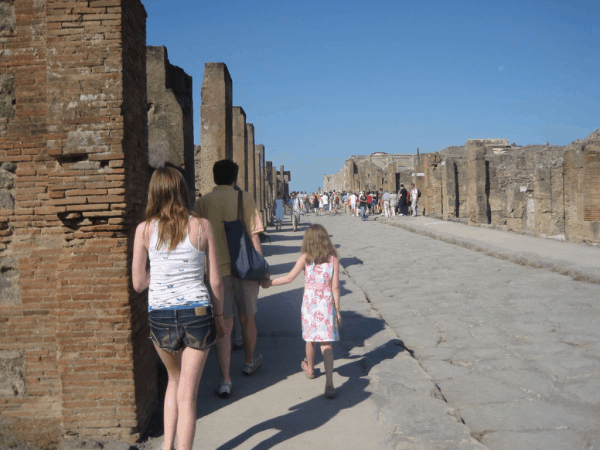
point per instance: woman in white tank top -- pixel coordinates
(184, 321)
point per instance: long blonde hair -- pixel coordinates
(317, 245)
(168, 204)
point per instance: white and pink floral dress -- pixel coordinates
(319, 322)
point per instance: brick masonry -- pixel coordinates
(74, 333)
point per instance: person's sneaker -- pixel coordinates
(223, 390)
(249, 369)
(238, 345)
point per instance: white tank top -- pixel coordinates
(177, 276)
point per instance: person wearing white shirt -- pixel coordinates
(414, 196)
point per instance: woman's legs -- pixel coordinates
(185, 370)
(327, 351)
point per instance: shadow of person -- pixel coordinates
(345, 262)
(316, 412)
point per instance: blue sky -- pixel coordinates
(324, 80)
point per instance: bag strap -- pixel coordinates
(240, 206)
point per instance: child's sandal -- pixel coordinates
(304, 365)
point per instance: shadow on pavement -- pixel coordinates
(273, 249)
(314, 413)
(353, 261)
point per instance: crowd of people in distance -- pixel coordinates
(404, 202)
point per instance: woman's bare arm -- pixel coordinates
(140, 275)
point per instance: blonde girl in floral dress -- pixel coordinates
(321, 302)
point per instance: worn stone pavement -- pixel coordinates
(515, 350)
(385, 399)
(442, 347)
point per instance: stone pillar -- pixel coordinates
(449, 193)
(390, 182)
(281, 179)
(251, 180)
(477, 192)
(259, 154)
(170, 116)
(215, 115)
(240, 145)
(275, 185)
(269, 189)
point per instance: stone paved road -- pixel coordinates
(515, 350)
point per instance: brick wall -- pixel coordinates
(77, 141)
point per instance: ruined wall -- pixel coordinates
(170, 115)
(582, 189)
(73, 331)
(369, 172)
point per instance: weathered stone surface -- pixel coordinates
(513, 349)
(216, 121)
(240, 145)
(170, 115)
(251, 160)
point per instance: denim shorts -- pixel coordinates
(171, 329)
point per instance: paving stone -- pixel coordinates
(536, 440)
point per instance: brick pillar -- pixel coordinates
(240, 145)
(477, 183)
(215, 115)
(81, 174)
(251, 161)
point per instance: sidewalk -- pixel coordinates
(579, 261)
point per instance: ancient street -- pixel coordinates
(511, 351)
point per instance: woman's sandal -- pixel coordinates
(330, 392)
(304, 366)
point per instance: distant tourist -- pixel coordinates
(386, 203)
(362, 204)
(218, 206)
(321, 301)
(352, 199)
(325, 202)
(185, 321)
(278, 213)
(414, 196)
(393, 202)
(402, 201)
(296, 208)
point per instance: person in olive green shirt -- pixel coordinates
(218, 206)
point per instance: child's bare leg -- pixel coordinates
(311, 350)
(327, 351)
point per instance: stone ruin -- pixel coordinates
(543, 190)
(87, 111)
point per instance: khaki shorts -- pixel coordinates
(243, 293)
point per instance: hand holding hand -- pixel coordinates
(265, 283)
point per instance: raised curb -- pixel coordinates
(521, 258)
